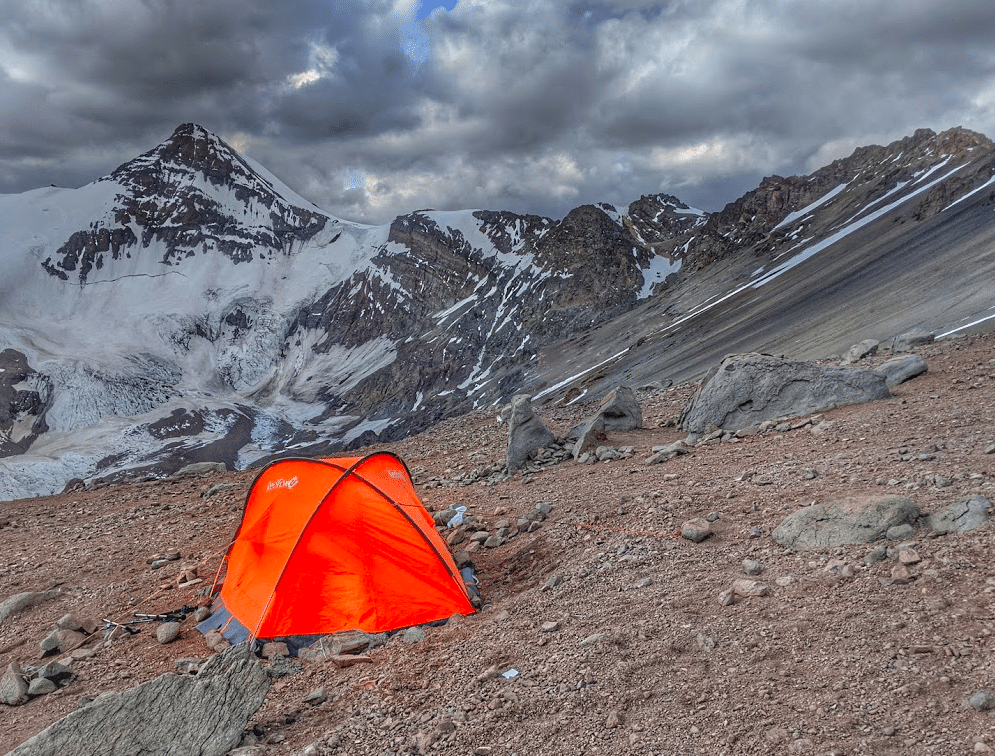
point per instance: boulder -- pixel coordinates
(856, 519)
(912, 339)
(589, 434)
(900, 369)
(526, 432)
(619, 411)
(172, 714)
(962, 516)
(747, 389)
(21, 601)
(866, 348)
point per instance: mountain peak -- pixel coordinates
(190, 148)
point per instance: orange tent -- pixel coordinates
(335, 544)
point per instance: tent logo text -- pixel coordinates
(287, 483)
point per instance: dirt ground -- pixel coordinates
(644, 659)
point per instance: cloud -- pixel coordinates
(532, 105)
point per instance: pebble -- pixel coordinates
(644, 582)
(549, 627)
(316, 696)
(41, 686)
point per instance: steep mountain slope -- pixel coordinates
(190, 306)
(890, 239)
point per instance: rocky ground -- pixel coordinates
(612, 621)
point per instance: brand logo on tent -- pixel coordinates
(287, 483)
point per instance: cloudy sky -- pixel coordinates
(378, 107)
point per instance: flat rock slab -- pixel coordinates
(172, 715)
(857, 519)
(962, 516)
(900, 369)
(747, 389)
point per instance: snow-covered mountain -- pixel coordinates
(191, 307)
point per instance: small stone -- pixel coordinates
(275, 648)
(909, 556)
(900, 574)
(706, 642)
(167, 632)
(316, 696)
(644, 582)
(752, 567)
(982, 700)
(696, 530)
(613, 720)
(876, 554)
(727, 598)
(216, 641)
(549, 627)
(749, 588)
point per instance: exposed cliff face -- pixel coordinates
(192, 306)
(24, 398)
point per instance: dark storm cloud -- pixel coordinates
(531, 105)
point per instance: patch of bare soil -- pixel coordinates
(613, 623)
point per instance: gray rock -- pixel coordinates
(13, 688)
(41, 686)
(21, 601)
(752, 567)
(912, 339)
(747, 389)
(57, 673)
(61, 640)
(316, 696)
(619, 411)
(900, 532)
(982, 700)
(696, 529)
(857, 352)
(167, 632)
(962, 516)
(858, 519)
(666, 453)
(205, 714)
(526, 433)
(749, 588)
(589, 433)
(900, 369)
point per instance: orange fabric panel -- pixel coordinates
(354, 560)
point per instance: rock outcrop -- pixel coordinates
(744, 390)
(172, 715)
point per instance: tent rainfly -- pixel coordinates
(335, 544)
